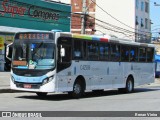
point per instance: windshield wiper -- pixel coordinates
(36, 50)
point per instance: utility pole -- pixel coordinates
(83, 24)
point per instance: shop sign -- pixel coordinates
(16, 13)
(13, 9)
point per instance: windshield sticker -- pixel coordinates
(20, 63)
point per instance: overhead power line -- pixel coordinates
(113, 27)
(111, 15)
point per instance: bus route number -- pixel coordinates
(85, 67)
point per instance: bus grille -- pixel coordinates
(33, 85)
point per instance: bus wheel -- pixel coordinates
(78, 89)
(41, 94)
(129, 86)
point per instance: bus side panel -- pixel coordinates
(113, 75)
(116, 70)
(95, 74)
(143, 73)
(64, 80)
(147, 73)
(132, 69)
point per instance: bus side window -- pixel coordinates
(115, 52)
(125, 53)
(77, 49)
(142, 54)
(104, 51)
(93, 51)
(150, 53)
(133, 54)
(84, 51)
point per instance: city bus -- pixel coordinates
(157, 66)
(59, 62)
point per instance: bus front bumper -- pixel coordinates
(48, 87)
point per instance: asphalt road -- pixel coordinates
(145, 98)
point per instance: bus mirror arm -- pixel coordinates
(62, 52)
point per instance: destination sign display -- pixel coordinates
(34, 36)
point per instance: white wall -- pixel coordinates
(63, 1)
(122, 10)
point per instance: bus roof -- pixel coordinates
(105, 39)
(98, 38)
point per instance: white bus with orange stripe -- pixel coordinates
(45, 62)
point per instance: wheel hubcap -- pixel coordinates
(129, 85)
(77, 88)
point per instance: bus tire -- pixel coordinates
(129, 86)
(78, 89)
(41, 94)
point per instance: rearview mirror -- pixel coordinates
(62, 52)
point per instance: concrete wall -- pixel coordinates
(124, 11)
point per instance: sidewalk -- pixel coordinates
(5, 82)
(156, 83)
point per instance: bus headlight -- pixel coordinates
(12, 78)
(47, 80)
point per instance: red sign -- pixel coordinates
(8, 8)
(35, 14)
(12, 9)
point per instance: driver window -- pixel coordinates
(64, 61)
(64, 43)
(67, 57)
(77, 49)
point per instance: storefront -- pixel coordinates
(5, 39)
(28, 15)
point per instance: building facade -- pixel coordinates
(89, 14)
(128, 19)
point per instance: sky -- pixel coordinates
(155, 17)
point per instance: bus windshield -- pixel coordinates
(33, 55)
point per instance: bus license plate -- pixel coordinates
(27, 86)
